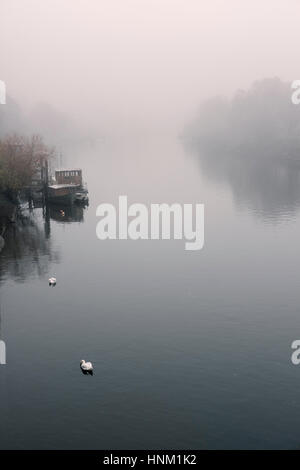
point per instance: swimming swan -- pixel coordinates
(52, 281)
(86, 367)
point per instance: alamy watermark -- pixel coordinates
(2, 92)
(296, 94)
(295, 357)
(2, 353)
(163, 221)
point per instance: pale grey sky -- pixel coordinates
(142, 62)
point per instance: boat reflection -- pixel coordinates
(66, 214)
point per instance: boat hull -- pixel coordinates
(66, 199)
(62, 194)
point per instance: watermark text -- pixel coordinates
(2, 353)
(163, 221)
(2, 92)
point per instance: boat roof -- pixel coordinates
(58, 186)
(68, 169)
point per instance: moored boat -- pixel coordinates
(68, 187)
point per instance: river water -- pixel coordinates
(191, 349)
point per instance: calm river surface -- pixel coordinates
(191, 349)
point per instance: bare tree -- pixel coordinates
(20, 158)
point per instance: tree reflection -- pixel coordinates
(27, 251)
(25, 238)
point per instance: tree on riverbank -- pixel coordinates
(261, 121)
(20, 159)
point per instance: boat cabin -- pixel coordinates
(69, 176)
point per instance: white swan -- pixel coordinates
(52, 281)
(86, 366)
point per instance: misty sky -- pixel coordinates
(124, 63)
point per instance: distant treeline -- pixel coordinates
(55, 126)
(262, 121)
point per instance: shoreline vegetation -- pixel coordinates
(262, 119)
(22, 159)
(251, 144)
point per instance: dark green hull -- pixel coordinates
(67, 199)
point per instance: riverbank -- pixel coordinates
(8, 215)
